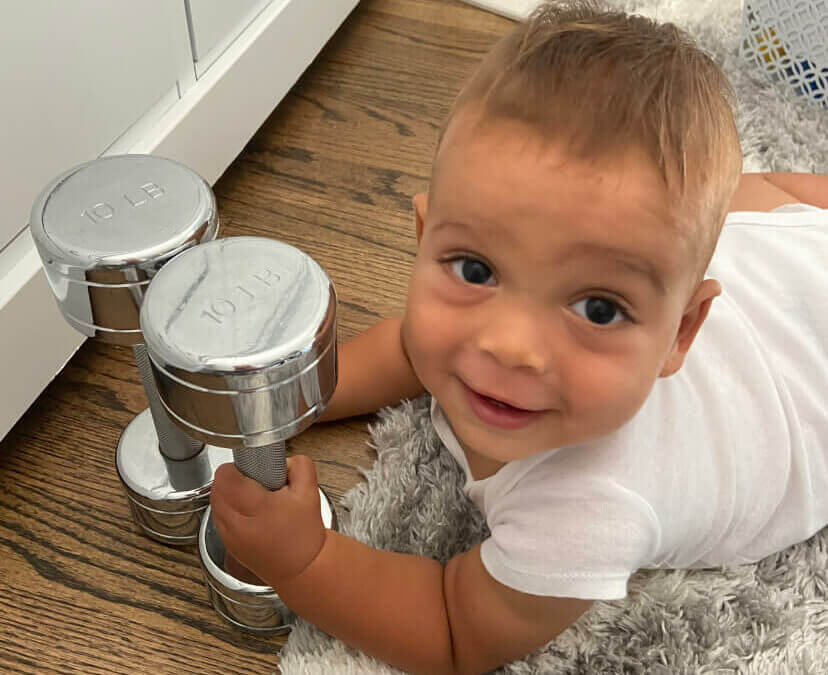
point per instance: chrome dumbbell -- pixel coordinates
(103, 230)
(241, 334)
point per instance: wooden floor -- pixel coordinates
(332, 171)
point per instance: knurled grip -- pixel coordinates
(266, 464)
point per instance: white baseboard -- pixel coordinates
(512, 9)
(35, 341)
(205, 129)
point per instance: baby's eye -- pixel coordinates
(598, 310)
(470, 270)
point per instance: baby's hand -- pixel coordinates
(275, 534)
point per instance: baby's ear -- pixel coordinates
(694, 315)
(420, 201)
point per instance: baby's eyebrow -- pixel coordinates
(631, 261)
(449, 224)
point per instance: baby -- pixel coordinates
(586, 223)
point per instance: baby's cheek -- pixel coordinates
(434, 337)
(607, 392)
(424, 332)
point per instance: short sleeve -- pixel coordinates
(581, 537)
(787, 215)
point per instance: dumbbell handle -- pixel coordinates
(172, 441)
(266, 464)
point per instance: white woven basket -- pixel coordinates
(787, 40)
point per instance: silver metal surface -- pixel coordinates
(173, 443)
(167, 498)
(241, 333)
(252, 608)
(104, 228)
(266, 465)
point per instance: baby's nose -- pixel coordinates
(517, 337)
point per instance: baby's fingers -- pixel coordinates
(233, 530)
(301, 474)
(232, 490)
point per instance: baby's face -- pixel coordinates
(548, 283)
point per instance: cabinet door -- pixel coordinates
(214, 24)
(74, 76)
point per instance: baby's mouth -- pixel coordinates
(496, 413)
(500, 404)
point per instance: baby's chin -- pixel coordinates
(505, 446)
(509, 446)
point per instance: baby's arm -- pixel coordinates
(373, 372)
(419, 616)
(808, 188)
(406, 609)
(767, 191)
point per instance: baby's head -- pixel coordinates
(578, 190)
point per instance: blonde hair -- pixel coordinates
(606, 81)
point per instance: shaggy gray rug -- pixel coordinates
(767, 618)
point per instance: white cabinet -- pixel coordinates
(86, 78)
(74, 76)
(214, 24)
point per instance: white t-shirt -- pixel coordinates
(725, 463)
